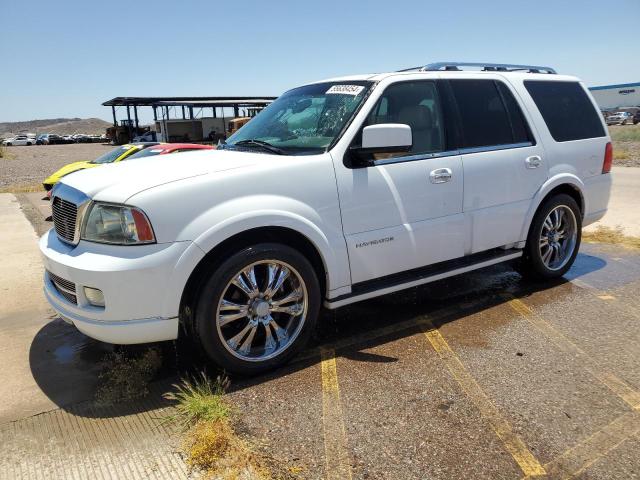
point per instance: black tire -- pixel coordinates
(9, 144)
(206, 331)
(28, 144)
(532, 264)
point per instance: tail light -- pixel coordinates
(608, 158)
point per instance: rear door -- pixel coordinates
(504, 166)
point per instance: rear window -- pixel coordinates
(489, 115)
(566, 109)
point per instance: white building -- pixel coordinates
(611, 97)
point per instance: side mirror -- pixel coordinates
(384, 138)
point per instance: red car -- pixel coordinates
(164, 148)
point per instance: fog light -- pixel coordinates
(95, 296)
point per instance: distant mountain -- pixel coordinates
(60, 126)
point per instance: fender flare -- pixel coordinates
(548, 186)
(335, 260)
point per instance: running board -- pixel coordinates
(413, 278)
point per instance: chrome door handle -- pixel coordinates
(533, 162)
(440, 175)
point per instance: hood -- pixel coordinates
(67, 169)
(116, 182)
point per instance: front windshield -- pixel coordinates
(111, 155)
(306, 119)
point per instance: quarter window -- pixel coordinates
(566, 109)
(489, 114)
(415, 104)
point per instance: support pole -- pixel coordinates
(129, 122)
(135, 114)
(193, 124)
(113, 112)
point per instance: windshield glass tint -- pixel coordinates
(111, 156)
(307, 119)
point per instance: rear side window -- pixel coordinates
(489, 115)
(566, 109)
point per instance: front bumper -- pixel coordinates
(138, 284)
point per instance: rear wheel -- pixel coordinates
(554, 238)
(257, 309)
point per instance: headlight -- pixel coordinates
(118, 224)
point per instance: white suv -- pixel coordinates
(339, 191)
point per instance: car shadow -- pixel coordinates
(66, 364)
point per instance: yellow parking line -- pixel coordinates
(576, 460)
(337, 465)
(606, 297)
(512, 442)
(615, 384)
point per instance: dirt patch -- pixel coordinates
(616, 236)
(24, 168)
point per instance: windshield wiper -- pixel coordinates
(262, 144)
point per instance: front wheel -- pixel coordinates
(554, 238)
(257, 309)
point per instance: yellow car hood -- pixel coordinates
(67, 169)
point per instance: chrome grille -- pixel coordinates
(64, 215)
(64, 287)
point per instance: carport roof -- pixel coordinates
(190, 101)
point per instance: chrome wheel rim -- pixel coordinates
(558, 237)
(262, 310)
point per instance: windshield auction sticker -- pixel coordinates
(345, 89)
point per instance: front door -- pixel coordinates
(405, 210)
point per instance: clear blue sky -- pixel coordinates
(64, 58)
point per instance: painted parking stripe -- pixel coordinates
(337, 464)
(511, 441)
(614, 383)
(576, 460)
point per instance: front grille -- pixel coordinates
(64, 287)
(64, 215)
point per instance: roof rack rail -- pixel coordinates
(486, 67)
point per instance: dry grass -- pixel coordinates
(615, 236)
(621, 154)
(625, 133)
(211, 444)
(126, 377)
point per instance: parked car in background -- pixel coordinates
(115, 155)
(165, 148)
(338, 192)
(620, 118)
(149, 136)
(48, 139)
(19, 140)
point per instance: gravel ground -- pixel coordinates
(25, 167)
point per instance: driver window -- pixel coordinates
(415, 104)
